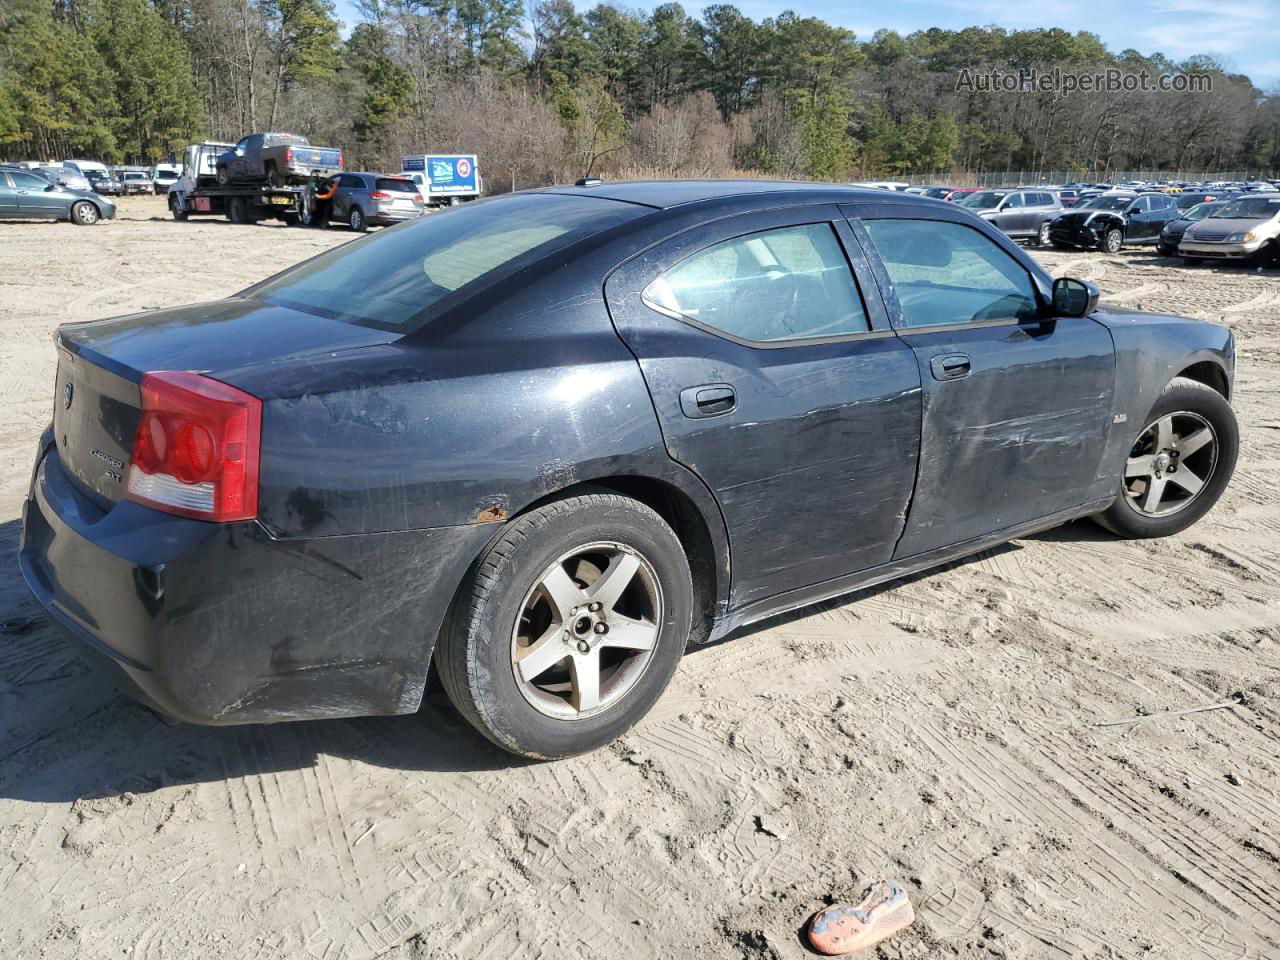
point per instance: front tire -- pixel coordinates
(1043, 238)
(177, 209)
(84, 214)
(1179, 465)
(570, 628)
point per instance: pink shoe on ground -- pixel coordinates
(843, 928)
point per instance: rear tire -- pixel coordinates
(84, 214)
(273, 175)
(236, 210)
(1192, 407)
(506, 610)
(357, 220)
(224, 177)
(1112, 241)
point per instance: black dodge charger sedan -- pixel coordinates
(545, 441)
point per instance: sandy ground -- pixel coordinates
(943, 730)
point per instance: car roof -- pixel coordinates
(665, 194)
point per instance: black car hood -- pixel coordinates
(1077, 218)
(213, 338)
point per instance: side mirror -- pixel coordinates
(1074, 298)
(52, 186)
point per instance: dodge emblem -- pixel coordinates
(67, 393)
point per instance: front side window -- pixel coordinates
(1013, 201)
(791, 283)
(28, 181)
(947, 273)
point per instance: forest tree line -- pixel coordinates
(549, 93)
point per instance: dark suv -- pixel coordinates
(1112, 220)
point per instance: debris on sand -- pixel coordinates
(844, 928)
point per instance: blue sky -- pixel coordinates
(1243, 33)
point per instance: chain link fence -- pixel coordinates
(1015, 178)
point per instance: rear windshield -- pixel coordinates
(396, 278)
(396, 185)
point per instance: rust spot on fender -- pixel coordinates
(491, 511)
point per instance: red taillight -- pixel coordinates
(339, 159)
(288, 156)
(196, 450)
(379, 195)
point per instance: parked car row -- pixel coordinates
(1198, 221)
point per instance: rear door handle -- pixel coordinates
(708, 400)
(954, 366)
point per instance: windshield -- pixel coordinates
(166, 175)
(983, 200)
(395, 278)
(1107, 203)
(1250, 208)
(1200, 211)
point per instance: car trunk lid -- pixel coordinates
(97, 401)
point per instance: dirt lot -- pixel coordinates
(943, 730)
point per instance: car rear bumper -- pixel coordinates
(222, 624)
(304, 172)
(385, 218)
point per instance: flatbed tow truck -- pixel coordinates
(197, 192)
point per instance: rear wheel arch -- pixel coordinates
(698, 525)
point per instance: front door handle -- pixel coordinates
(708, 400)
(954, 366)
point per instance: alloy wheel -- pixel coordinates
(587, 630)
(1172, 461)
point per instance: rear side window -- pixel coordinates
(396, 185)
(947, 273)
(396, 278)
(786, 284)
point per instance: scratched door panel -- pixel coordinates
(1021, 437)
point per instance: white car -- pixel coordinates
(164, 176)
(882, 185)
(1247, 228)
